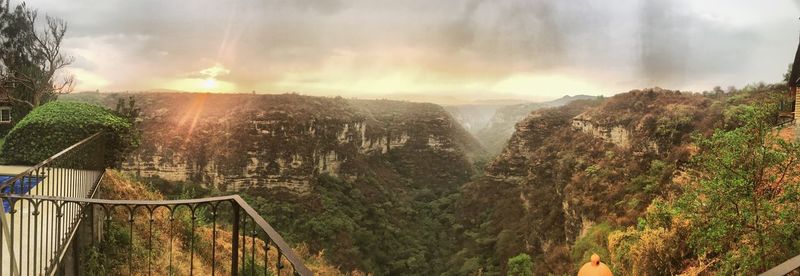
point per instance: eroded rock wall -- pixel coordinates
(235, 142)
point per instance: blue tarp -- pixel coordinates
(21, 186)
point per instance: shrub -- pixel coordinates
(653, 249)
(520, 265)
(594, 242)
(57, 125)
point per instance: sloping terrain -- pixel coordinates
(569, 172)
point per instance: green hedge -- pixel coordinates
(57, 125)
(4, 129)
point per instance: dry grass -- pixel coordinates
(787, 133)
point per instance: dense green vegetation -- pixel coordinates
(736, 214)
(58, 125)
(520, 265)
(361, 225)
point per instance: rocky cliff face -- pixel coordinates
(616, 135)
(566, 169)
(235, 142)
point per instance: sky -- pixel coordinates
(455, 51)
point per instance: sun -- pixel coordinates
(205, 84)
(209, 84)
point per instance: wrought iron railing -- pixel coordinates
(53, 225)
(224, 235)
(34, 236)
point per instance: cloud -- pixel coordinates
(677, 45)
(321, 6)
(434, 47)
(210, 73)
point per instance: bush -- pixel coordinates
(651, 251)
(57, 125)
(594, 242)
(520, 265)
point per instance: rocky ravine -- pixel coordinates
(569, 168)
(493, 124)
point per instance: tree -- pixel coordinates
(742, 200)
(738, 210)
(788, 73)
(129, 109)
(520, 265)
(31, 60)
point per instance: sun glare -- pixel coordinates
(209, 84)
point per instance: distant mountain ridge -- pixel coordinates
(492, 123)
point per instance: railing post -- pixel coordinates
(235, 240)
(76, 249)
(7, 234)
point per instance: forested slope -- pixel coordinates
(571, 175)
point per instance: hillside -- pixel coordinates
(570, 175)
(370, 182)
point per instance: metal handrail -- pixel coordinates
(86, 205)
(53, 177)
(47, 161)
(288, 253)
(280, 243)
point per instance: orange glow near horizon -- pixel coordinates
(205, 80)
(192, 112)
(526, 85)
(200, 85)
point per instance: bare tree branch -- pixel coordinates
(38, 76)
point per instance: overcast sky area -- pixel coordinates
(440, 51)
